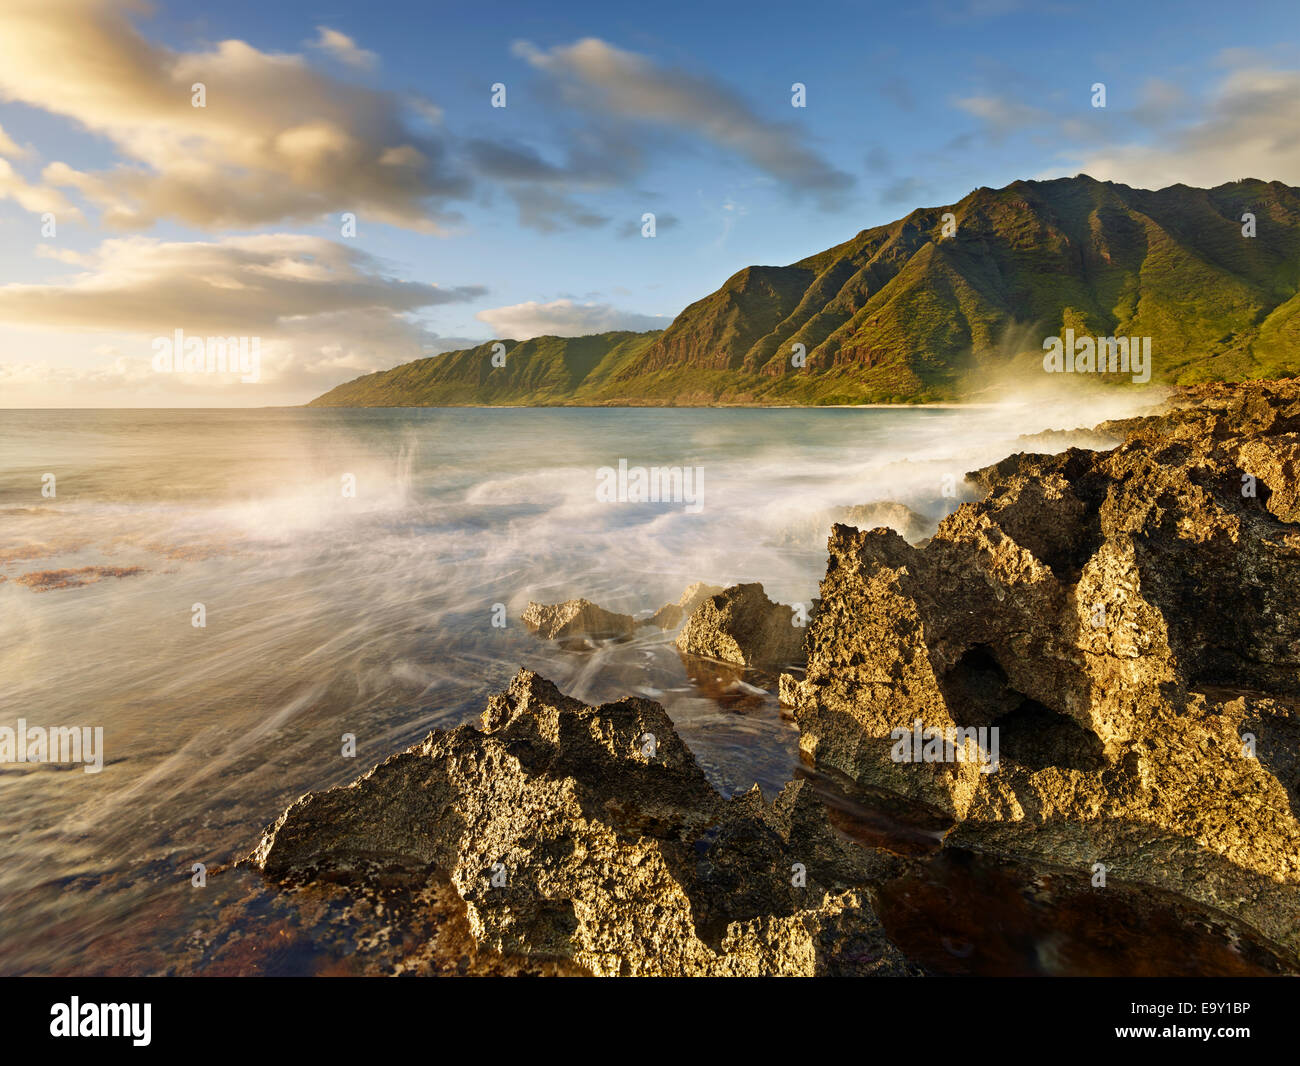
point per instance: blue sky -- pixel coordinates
(527, 218)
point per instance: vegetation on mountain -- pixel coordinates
(905, 313)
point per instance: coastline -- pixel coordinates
(1159, 681)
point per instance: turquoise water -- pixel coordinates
(371, 614)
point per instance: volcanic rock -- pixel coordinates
(670, 615)
(741, 625)
(576, 618)
(1129, 621)
(591, 836)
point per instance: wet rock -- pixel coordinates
(590, 836)
(576, 618)
(670, 615)
(1128, 620)
(741, 625)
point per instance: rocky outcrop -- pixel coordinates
(670, 615)
(575, 619)
(590, 836)
(1128, 622)
(741, 625)
(1094, 670)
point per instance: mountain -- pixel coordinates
(903, 313)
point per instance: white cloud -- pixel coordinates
(8, 147)
(37, 198)
(1001, 115)
(1246, 124)
(277, 139)
(281, 139)
(594, 75)
(240, 284)
(344, 49)
(323, 313)
(565, 318)
(1249, 127)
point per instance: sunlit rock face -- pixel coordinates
(741, 625)
(1089, 676)
(1129, 621)
(590, 835)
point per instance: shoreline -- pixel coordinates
(1099, 716)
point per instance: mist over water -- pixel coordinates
(372, 615)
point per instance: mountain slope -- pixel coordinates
(903, 313)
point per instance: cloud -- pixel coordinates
(8, 147)
(1001, 115)
(1249, 127)
(37, 198)
(281, 140)
(663, 221)
(898, 91)
(1245, 124)
(564, 318)
(877, 160)
(344, 49)
(323, 353)
(238, 284)
(539, 187)
(607, 82)
(546, 210)
(907, 190)
(277, 139)
(323, 312)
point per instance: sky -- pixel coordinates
(348, 198)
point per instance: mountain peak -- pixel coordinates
(911, 310)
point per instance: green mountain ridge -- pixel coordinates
(903, 313)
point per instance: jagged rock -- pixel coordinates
(1128, 620)
(610, 851)
(576, 618)
(741, 625)
(670, 615)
